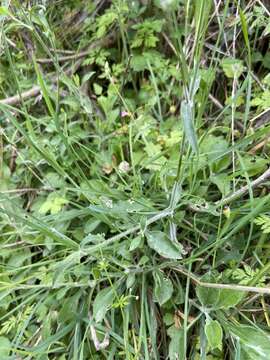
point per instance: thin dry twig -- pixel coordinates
(6, 246)
(215, 101)
(66, 58)
(261, 119)
(259, 145)
(63, 51)
(13, 100)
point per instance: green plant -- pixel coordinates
(133, 180)
(264, 222)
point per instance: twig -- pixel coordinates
(198, 282)
(244, 189)
(255, 183)
(63, 51)
(259, 145)
(261, 119)
(12, 100)
(264, 7)
(6, 246)
(215, 101)
(264, 308)
(257, 80)
(35, 90)
(254, 289)
(66, 58)
(13, 157)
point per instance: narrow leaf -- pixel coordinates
(245, 33)
(44, 89)
(187, 118)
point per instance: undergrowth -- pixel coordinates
(134, 205)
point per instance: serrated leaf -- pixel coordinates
(104, 22)
(214, 334)
(160, 242)
(266, 30)
(163, 288)
(264, 222)
(53, 204)
(102, 303)
(187, 118)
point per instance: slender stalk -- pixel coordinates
(243, 288)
